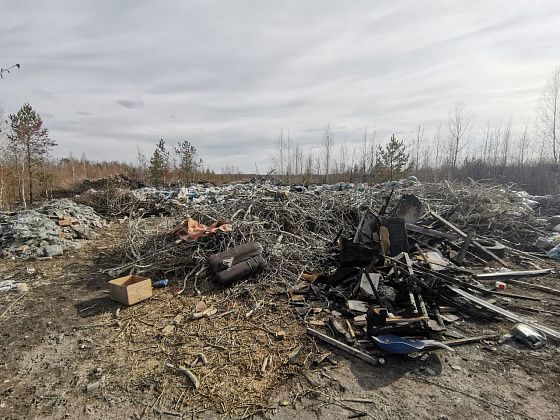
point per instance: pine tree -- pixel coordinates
(393, 159)
(188, 163)
(31, 143)
(159, 165)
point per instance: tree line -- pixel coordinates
(455, 149)
(167, 166)
(28, 171)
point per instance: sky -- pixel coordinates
(110, 76)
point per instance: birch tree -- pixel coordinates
(458, 125)
(549, 114)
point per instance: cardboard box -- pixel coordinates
(129, 290)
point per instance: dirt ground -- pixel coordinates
(65, 333)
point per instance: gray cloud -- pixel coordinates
(229, 76)
(131, 103)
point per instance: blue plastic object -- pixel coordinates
(160, 283)
(395, 344)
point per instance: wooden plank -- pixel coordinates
(408, 263)
(465, 248)
(464, 235)
(514, 295)
(399, 320)
(532, 286)
(412, 301)
(549, 332)
(431, 232)
(469, 340)
(341, 346)
(500, 274)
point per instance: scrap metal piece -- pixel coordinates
(528, 335)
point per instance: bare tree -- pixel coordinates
(485, 150)
(327, 147)
(297, 159)
(363, 162)
(458, 125)
(189, 164)
(438, 140)
(417, 144)
(280, 153)
(549, 114)
(308, 171)
(523, 147)
(506, 139)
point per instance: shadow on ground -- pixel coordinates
(395, 367)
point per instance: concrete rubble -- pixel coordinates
(47, 231)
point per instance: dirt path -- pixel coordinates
(59, 338)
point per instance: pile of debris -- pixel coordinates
(113, 181)
(298, 229)
(125, 203)
(360, 269)
(47, 231)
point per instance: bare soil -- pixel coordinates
(66, 333)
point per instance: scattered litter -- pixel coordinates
(7, 285)
(192, 230)
(160, 283)
(22, 288)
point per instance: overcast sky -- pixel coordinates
(228, 75)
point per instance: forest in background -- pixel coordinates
(458, 149)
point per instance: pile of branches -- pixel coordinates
(118, 202)
(105, 183)
(299, 230)
(491, 211)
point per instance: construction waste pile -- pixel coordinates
(371, 271)
(47, 231)
(227, 285)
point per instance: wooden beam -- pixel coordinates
(465, 248)
(469, 340)
(549, 332)
(507, 274)
(431, 232)
(341, 346)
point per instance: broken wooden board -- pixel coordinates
(436, 261)
(357, 306)
(465, 248)
(398, 237)
(549, 332)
